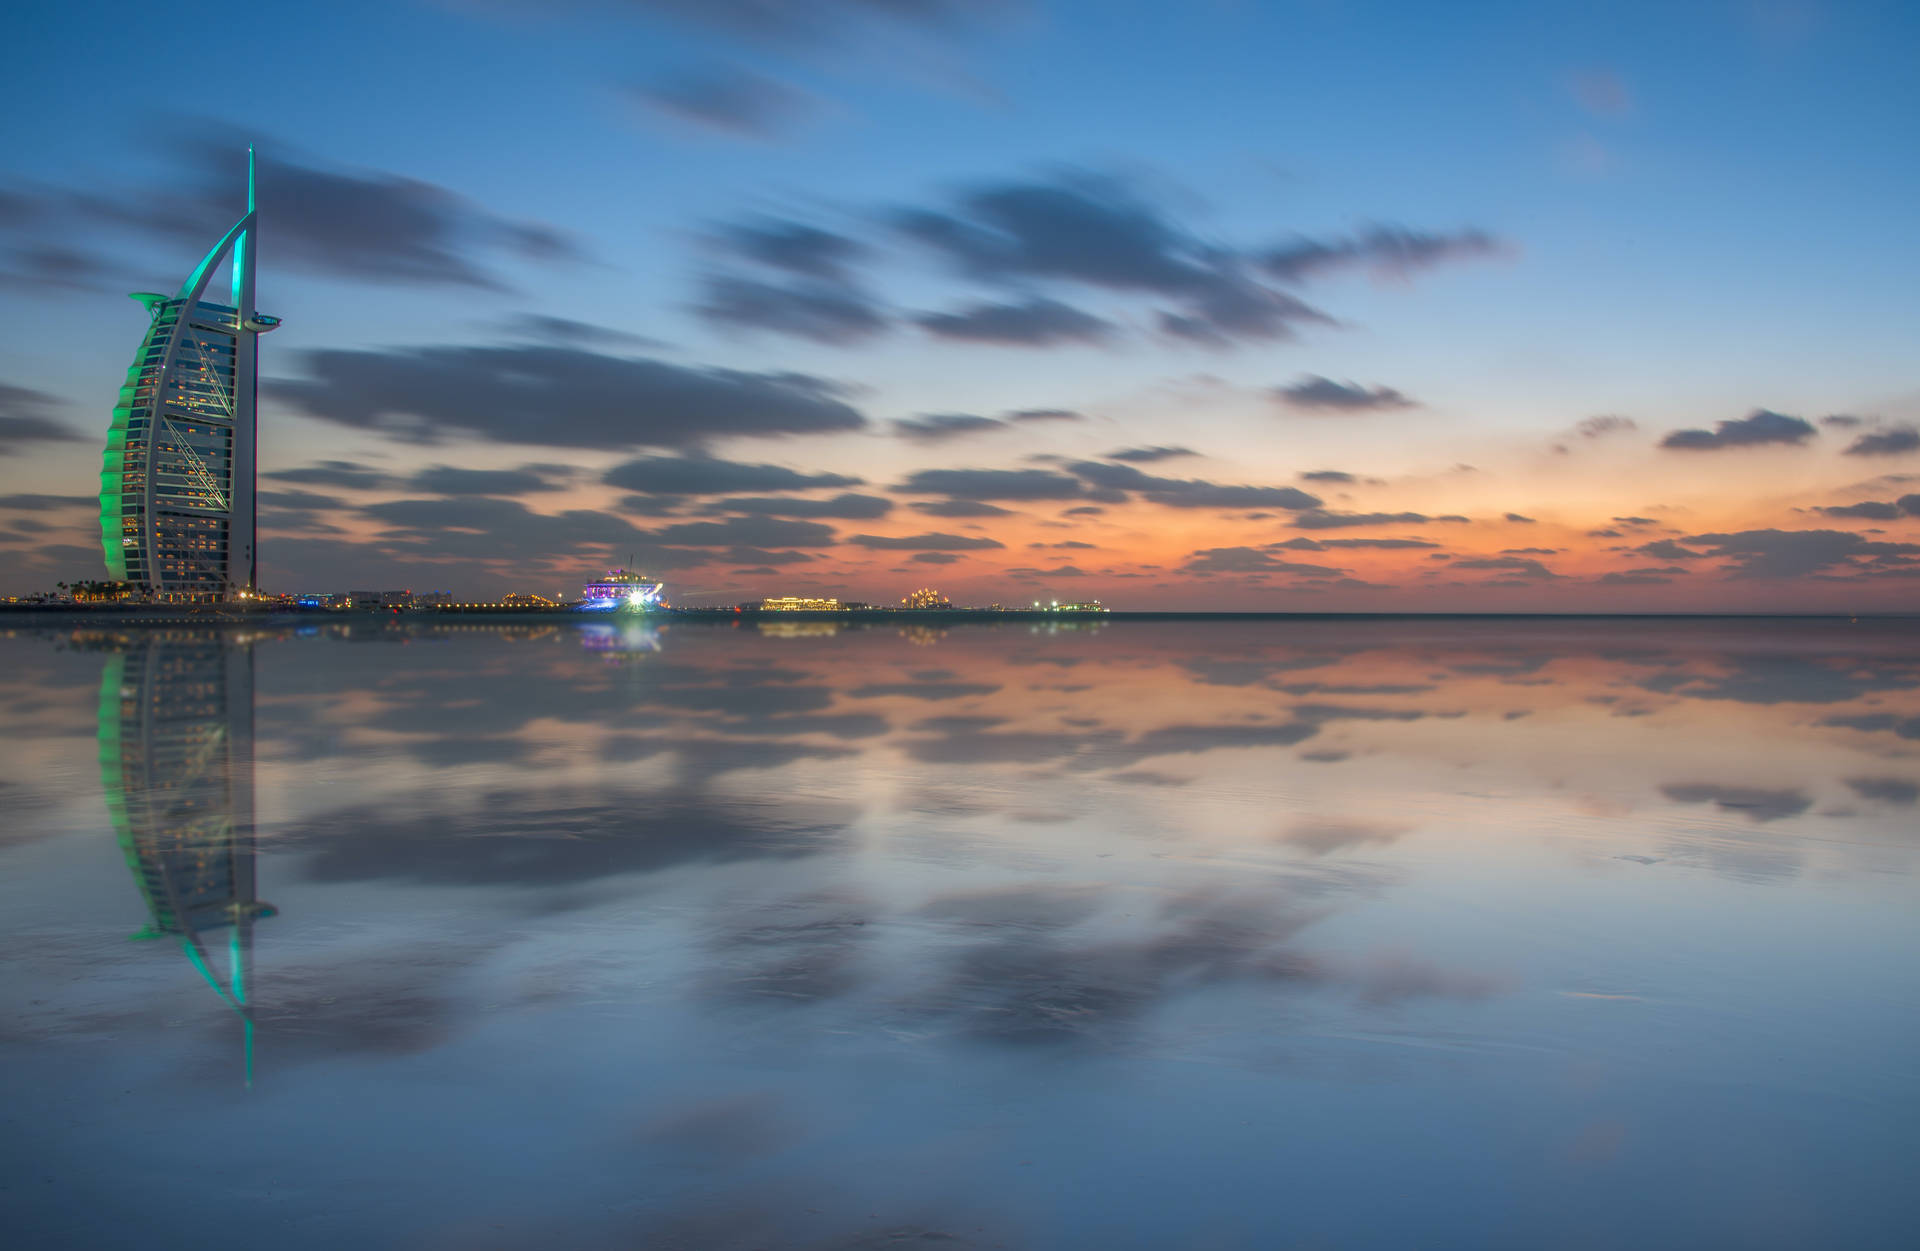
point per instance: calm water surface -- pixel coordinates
(1248, 934)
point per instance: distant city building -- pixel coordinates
(800, 603)
(621, 588)
(1081, 606)
(432, 599)
(527, 601)
(379, 601)
(177, 480)
(926, 597)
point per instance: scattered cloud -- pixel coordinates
(24, 419)
(1865, 510)
(1387, 251)
(526, 480)
(829, 313)
(1045, 414)
(729, 100)
(1101, 233)
(1756, 429)
(362, 225)
(1037, 322)
(1313, 393)
(1327, 519)
(841, 507)
(797, 248)
(702, 475)
(1796, 553)
(994, 484)
(932, 542)
(1512, 566)
(351, 475)
(1894, 442)
(559, 397)
(1250, 560)
(961, 508)
(1149, 455)
(939, 427)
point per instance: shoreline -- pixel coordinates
(165, 615)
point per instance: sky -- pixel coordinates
(1309, 306)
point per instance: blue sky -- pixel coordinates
(1691, 212)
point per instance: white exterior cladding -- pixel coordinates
(177, 484)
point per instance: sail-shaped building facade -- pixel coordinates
(177, 484)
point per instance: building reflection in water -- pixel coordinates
(176, 763)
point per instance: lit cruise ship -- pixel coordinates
(622, 588)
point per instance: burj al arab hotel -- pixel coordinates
(177, 486)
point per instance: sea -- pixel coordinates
(1292, 932)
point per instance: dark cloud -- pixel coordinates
(1313, 393)
(758, 532)
(299, 501)
(793, 247)
(1668, 549)
(1249, 560)
(1513, 566)
(1323, 519)
(1189, 492)
(1659, 575)
(24, 419)
(1150, 455)
(994, 484)
(1757, 804)
(367, 226)
(828, 313)
(1516, 517)
(1085, 510)
(934, 542)
(1036, 322)
(1876, 722)
(938, 427)
(1605, 424)
(1885, 442)
(558, 397)
(1045, 414)
(1393, 251)
(567, 332)
(1865, 510)
(841, 507)
(820, 22)
(1099, 233)
(29, 502)
(447, 480)
(935, 558)
(335, 473)
(1326, 475)
(1757, 428)
(729, 100)
(1795, 553)
(1321, 545)
(705, 475)
(960, 508)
